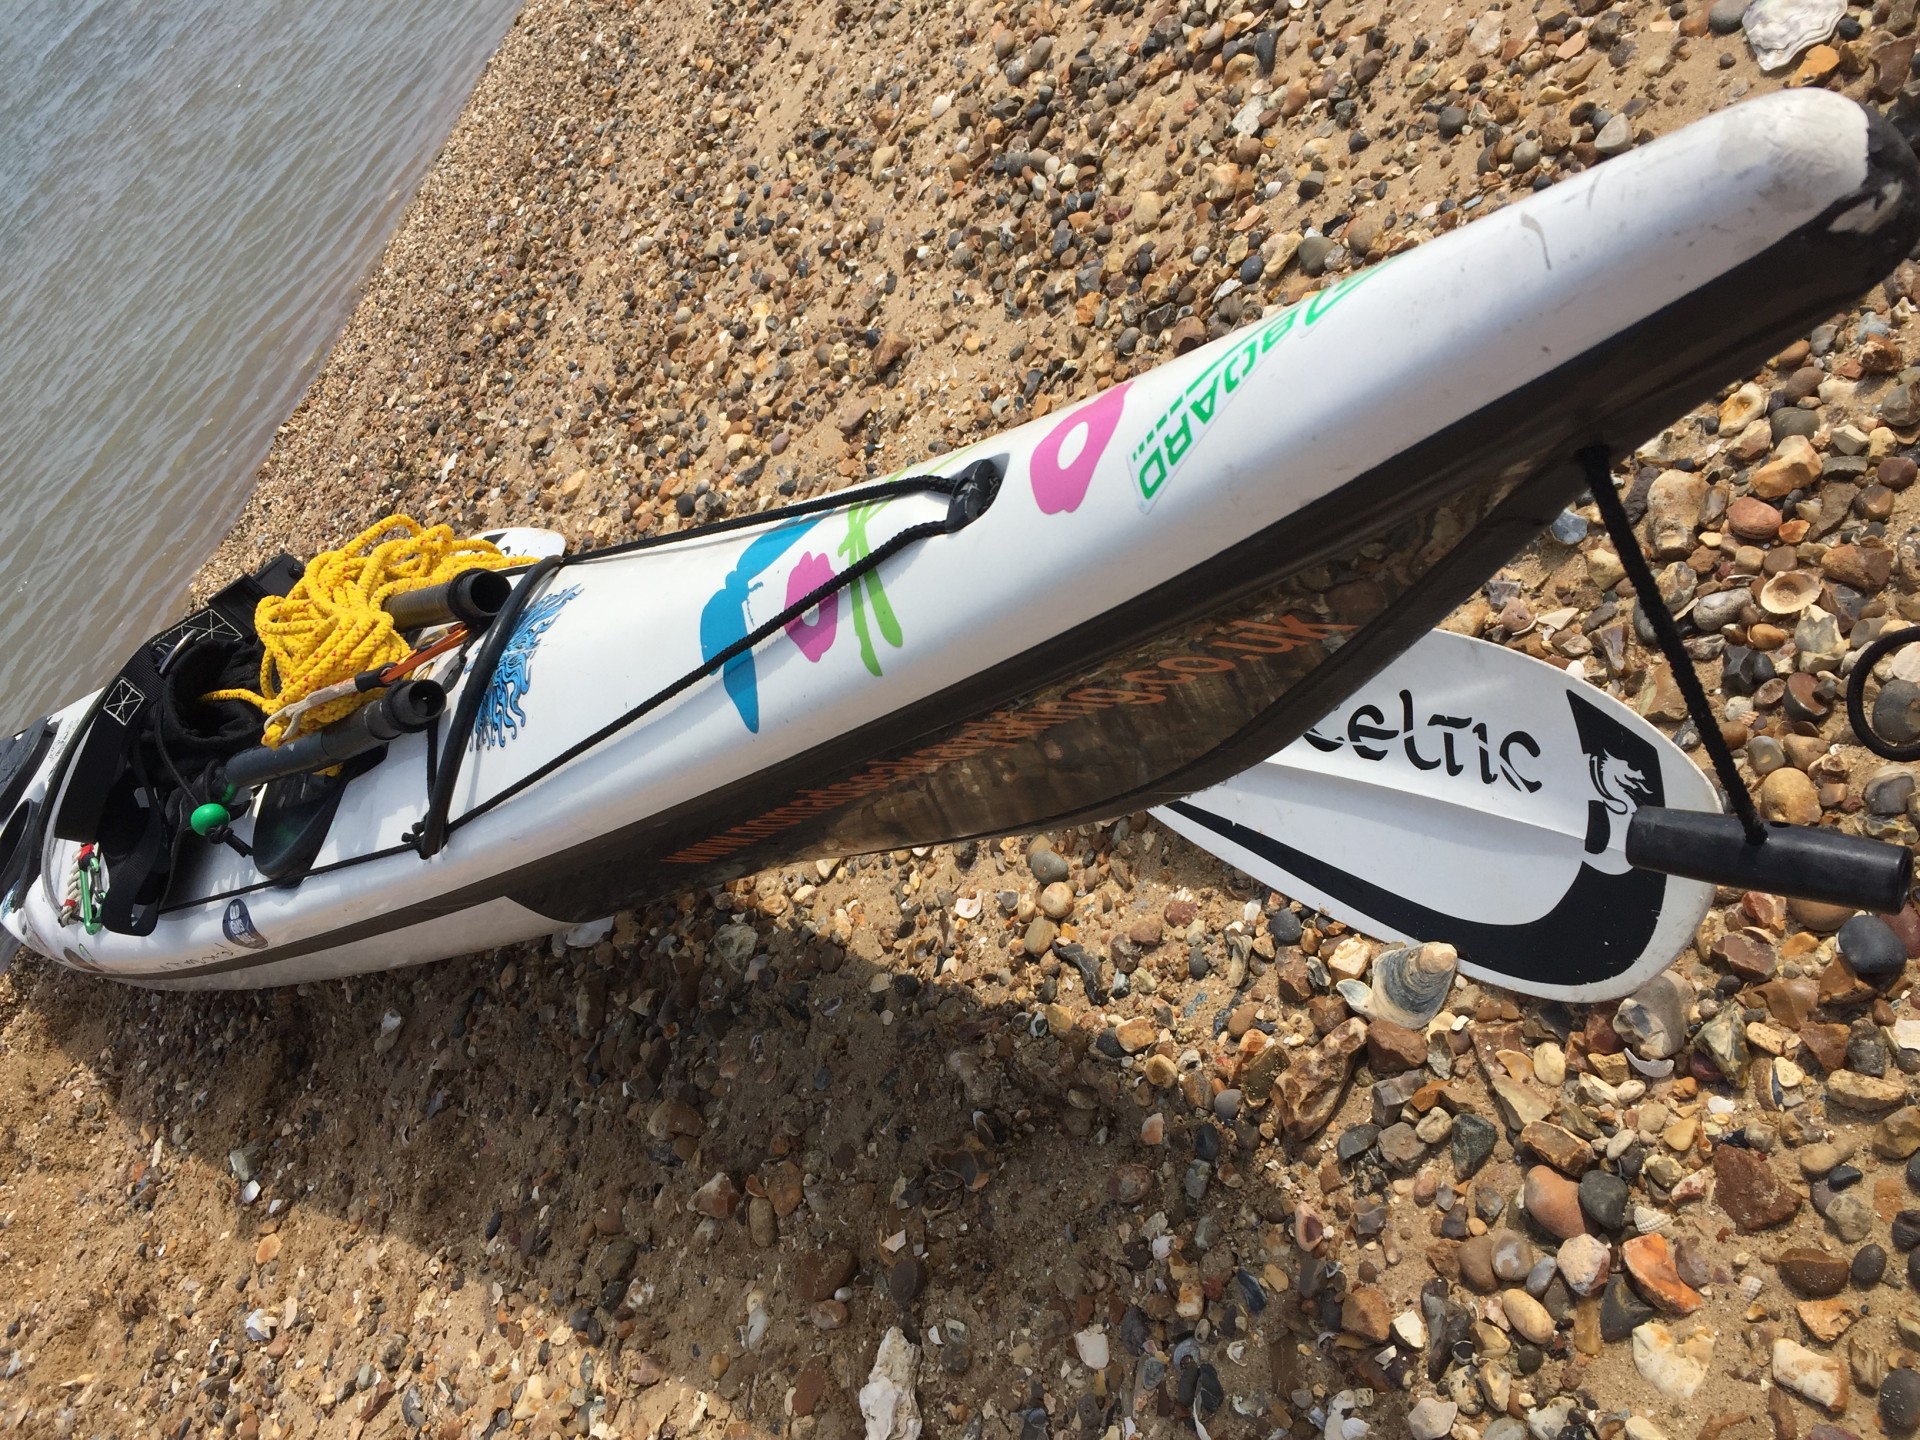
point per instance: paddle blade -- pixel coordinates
(1473, 795)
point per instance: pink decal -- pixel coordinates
(808, 575)
(1063, 463)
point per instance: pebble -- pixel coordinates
(1675, 1365)
(1553, 1201)
(1649, 1261)
(1527, 1316)
(1724, 17)
(1906, 1229)
(1513, 1256)
(1476, 1264)
(1896, 712)
(1048, 867)
(1622, 1311)
(1887, 791)
(1653, 1020)
(1850, 1218)
(1471, 1143)
(1873, 951)
(1584, 1262)
(1430, 1418)
(1056, 900)
(1899, 1402)
(1813, 1273)
(1813, 1376)
(1309, 1090)
(1603, 1197)
(1091, 1346)
(1869, 1266)
(1365, 1313)
(1788, 797)
(1746, 1188)
(1615, 137)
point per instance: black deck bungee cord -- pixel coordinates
(970, 492)
(1613, 512)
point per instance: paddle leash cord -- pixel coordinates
(1654, 605)
(1857, 695)
(969, 493)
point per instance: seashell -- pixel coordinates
(1250, 1291)
(1309, 1230)
(1649, 1221)
(1789, 592)
(1410, 984)
(1654, 1069)
(1778, 30)
(1751, 1287)
(967, 906)
(1358, 995)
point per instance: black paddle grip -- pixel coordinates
(1797, 861)
(473, 597)
(405, 707)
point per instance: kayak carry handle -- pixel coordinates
(1796, 861)
(473, 597)
(405, 707)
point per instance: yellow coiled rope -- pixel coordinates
(333, 626)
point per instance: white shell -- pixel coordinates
(1656, 1069)
(1649, 1221)
(1778, 30)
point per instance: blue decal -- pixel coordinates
(500, 716)
(724, 620)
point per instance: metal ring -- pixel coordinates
(1857, 695)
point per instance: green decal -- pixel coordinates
(868, 590)
(1178, 431)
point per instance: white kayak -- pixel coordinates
(1098, 611)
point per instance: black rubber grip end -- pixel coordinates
(1797, 861)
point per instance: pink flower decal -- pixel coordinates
(1063, 463)
(815, 638)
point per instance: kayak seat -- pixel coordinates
(150, 737)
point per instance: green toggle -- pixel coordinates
(208, 817)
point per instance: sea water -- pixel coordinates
(190, 191)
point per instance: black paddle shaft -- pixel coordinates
(1795, 860)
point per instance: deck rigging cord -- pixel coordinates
(969, 492)
(1613, 513)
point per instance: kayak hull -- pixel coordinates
(1175, 579)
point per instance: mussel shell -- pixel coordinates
(1410, 984)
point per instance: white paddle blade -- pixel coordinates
(1474, 795)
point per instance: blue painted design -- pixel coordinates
(501, 716)
(723, 621)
